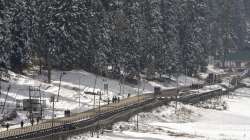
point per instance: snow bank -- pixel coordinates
(213, 69)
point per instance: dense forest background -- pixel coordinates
(169, 35)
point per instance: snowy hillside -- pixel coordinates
(72, 83)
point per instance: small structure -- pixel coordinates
(213, 78)
(34, 105)
(31, 104)
(157, 91)
(235, 80)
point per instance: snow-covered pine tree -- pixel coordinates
(166, 35)
(4, 35)
(151, 35)
(192, 33)
(59, 32)
(133, 42)
(169, 24)
(239, 25)
(118, 34)
(228, 17)
(99, 39)
(19, 26)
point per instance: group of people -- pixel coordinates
(114, 99)
(22, 123)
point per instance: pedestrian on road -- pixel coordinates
(7, 126)
(92, 133)
(108, 101)
(37, 120)
(22, 123)
(32, 122)
(115, 99)
(128, 95)
(118, 99)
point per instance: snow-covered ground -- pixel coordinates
(73, 83)
(246, 81)
(187, 122)
(213, 69)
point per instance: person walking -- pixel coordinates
(7, 126)
(22, 123)
(32, 122)
(118, 99)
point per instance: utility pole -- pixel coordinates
(48, 65)
(0, 87)
(186, 71)
(120, 86)
(58, 94)
(5, 99)
(226, 24)
(123, 86)
(94, 89)
(137, 116)
(99, 112)
(52, 99)
(31, 105)
(177, 91)
(41, 105)
(138, 100)
(106, 89)
(0, 83)
(79, 93)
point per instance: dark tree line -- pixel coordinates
(167, 36)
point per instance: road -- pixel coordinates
(47, 125)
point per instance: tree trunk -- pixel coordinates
(40, 65)
(49, 74)
(48, 68)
